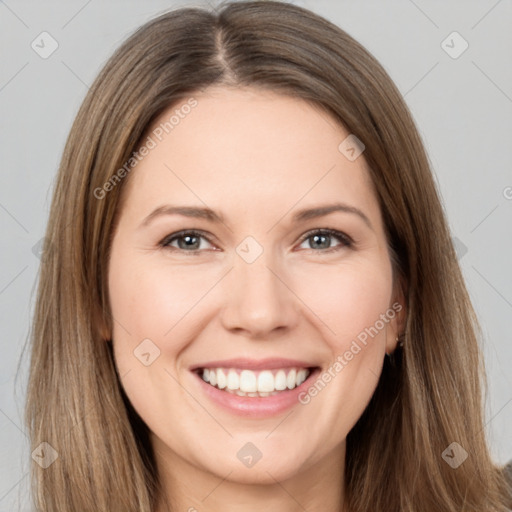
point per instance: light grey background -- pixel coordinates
(462, 106)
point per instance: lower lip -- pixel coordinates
(256, 407)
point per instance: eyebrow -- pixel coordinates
(185, 211)
(212, 216)
(320, 211)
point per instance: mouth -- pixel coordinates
(255, 383)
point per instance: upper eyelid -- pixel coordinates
(326, 231)
(179, 234)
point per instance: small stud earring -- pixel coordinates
(399, 342)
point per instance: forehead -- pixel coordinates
(249, 148)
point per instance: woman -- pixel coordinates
(193, 347)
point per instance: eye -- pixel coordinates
(190, 241)
(321, 238)
(187, 241)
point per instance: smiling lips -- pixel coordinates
(244, 377)
(254, 389)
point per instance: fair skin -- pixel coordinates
(256, 158)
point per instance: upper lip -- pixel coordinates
(254, 364)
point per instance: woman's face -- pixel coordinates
(257, 295)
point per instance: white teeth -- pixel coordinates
(301, 376)
(280, 380)
(266, 382)
(249, 383)
(233, 380)
(291, 379)
(222, 382)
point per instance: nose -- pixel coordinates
(259, 300)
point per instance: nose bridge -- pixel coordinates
(258, 299)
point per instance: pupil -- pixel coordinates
(189, 241)
(316, 237)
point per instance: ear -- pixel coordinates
(396, 327)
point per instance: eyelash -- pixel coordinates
(345, 240)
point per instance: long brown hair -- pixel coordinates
(429, 394)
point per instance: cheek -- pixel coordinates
(149, 298)
(152, 305)
(149, 303)
(348, 299)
